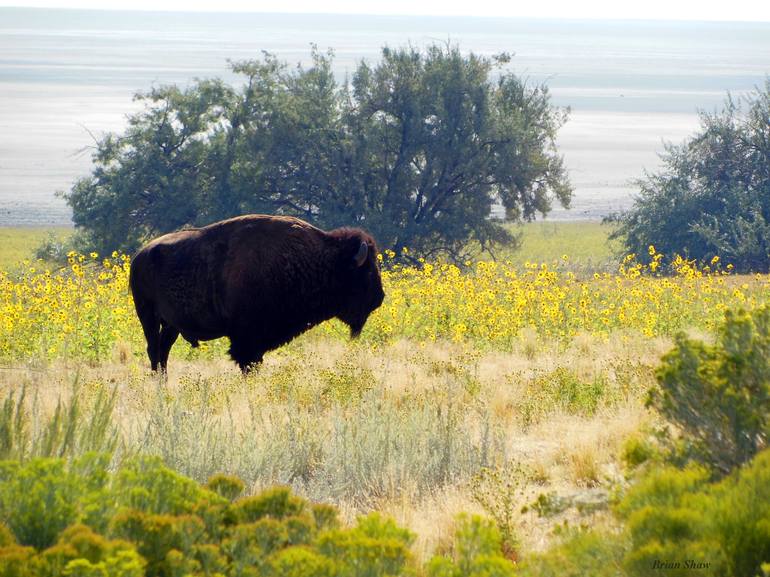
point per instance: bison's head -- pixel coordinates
(362, 286)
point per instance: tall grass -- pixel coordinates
(350, 424)
(73, 428)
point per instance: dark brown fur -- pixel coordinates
(259, 280)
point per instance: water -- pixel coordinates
(67, 76)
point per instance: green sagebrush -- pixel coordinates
(719, 395)
(674, 522)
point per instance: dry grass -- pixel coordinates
(403, 429)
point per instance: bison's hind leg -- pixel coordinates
(168, 336)
(145, 310)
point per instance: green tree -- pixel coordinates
(416, 149)
(712, 195)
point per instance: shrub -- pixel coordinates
(150, 526)
(277, 503)
(477, 552)
(38, 501)
(157, 537)
(499, 493)
(719, 396)
(594, 553)
(677, 516)
(301, 562)
(637, 450)
(226, 486)
(17, 561)
(376, 547)
(676, 522)
(146, 484)
(83, 553)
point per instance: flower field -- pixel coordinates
(83, 310)
(496, 402)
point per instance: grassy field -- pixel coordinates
(513, 391)
(401, 429)
(586, 243)
(19, 243)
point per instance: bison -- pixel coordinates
(258, 280)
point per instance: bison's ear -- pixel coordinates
(363, 252)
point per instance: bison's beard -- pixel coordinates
(356, 328)
(355, 322)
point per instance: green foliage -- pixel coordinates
(157, 537)
(39, 500)
(477, 552)
(6, 537)
(638, 450)
(376, 547)
(277, 503)
(18, 561)
(671, 515)
(81, 552)
(156, 523)
(226, 486)
(676, 515)
(563, 390)
(710, 199)
(719, 396)
(417, 147)
(301, 562)
(325, 516)
(580, 553)
(147, 485)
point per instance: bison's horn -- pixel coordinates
(361, 255)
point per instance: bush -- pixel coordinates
(674, 522)
(38, 501)
(277, 503)
(677, 516)
(638, 450)
(719, 396)
(477, 552)
(226, 486)
(146, 520)
(710, 198)
(375, 547)
(594, 553)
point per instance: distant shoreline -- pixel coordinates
(66, 75)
